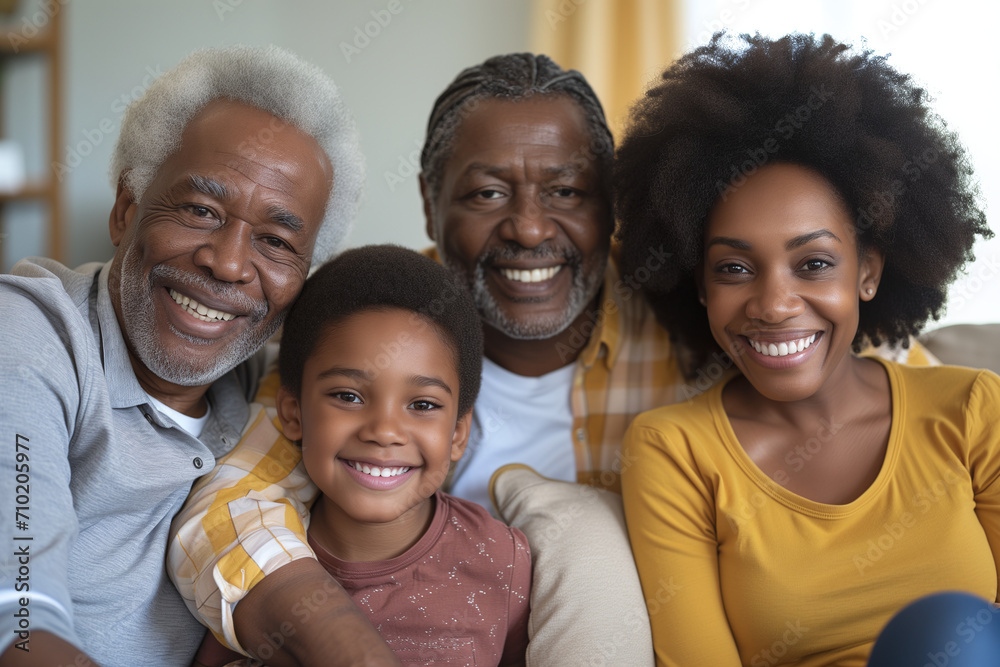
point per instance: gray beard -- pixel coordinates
(582, 291)
(143, 337)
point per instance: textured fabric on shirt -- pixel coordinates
(750, 573)
(239, 523)
(625, 367)
(107, 471)
(458, 596)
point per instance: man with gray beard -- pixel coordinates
(126, 381)
(515, 179)
(515, 183)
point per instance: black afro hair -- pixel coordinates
(724, 110)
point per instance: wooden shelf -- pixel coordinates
(14, 44)
(46, 43)
(27, 192)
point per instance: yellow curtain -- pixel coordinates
(621, 46)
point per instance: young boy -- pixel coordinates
(380, 365)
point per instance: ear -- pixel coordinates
(870, 273)
(461, 436)
(425, 195)
(289, 414)
(122, 212)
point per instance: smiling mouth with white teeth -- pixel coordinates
(201, 311)
(784, 348)
(376, 471)
(531, 275)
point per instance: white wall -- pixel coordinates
(950, 48)
(114, 46)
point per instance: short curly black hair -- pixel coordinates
(725, 109)
(382, 277)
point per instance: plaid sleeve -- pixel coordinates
(914, 355)
(241, 522)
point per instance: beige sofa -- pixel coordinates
(975, 345)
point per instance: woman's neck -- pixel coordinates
(829, 447)
(851, 389)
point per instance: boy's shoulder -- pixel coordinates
(472, 520)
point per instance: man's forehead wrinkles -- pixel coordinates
(525, 164)
(261, 173)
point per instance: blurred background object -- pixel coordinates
(11, 167)
(393, 57)
(32, 119)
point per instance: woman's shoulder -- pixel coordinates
(694, 413)
(967, 397)
(941, 382)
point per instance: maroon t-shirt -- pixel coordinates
(458, 596)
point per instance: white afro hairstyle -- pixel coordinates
(268, 78)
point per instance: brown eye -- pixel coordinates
(275, 242)
(201, 211)
(816, 265)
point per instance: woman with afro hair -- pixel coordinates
(814, 206)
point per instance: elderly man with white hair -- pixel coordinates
(126, 381)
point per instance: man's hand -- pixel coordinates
(300, 615)
(47, 650)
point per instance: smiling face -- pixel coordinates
(782, 280)
(213, 255)
(522, 214)
(379, 430)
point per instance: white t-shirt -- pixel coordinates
(190, 425)
(517, 419)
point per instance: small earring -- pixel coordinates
(869, 291)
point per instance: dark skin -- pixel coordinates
(239, 231)
(782, 266)
(852, 450)
(253, 229)
(406, 415)
(336, 632)
(46, 650)
(310, 630)
(516, 179)
(507, 183)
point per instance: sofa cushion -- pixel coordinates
(587, 606)
(973, 345)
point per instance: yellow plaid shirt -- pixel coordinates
(246, 518)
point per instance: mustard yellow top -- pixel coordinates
(737, 570)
